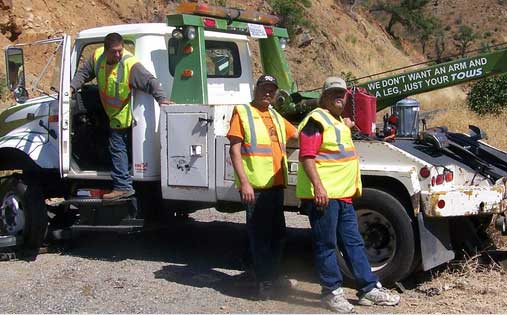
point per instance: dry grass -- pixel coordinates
(467, 286)
(457, 117)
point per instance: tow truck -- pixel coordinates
(415, 193)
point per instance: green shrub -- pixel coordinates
(489, 95)
(3, 85)
(292, 13)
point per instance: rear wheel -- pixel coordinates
(388, 236)
(22, 212)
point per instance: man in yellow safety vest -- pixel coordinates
(258, 136)
(328, 179)
(118, 72)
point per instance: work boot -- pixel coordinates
(336, 302)
(118, 194)
(284, 283)
(379, 296)
(265, 290)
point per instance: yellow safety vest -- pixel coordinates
(114, 89)
(256, 150)
(337, 162)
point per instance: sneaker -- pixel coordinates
(379, 296)
(336, 301)
(285, 283)
(265, 290)
(118, 194)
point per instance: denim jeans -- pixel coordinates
(337, 225)
(118, 148)
(265, 224)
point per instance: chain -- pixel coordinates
(354, 90)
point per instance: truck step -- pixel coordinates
(107, 228)
(9, 240)
(84, 201)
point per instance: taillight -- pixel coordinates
(433, 181)
(441, 204)
(424, 172)
(440, 179)
(448, 176)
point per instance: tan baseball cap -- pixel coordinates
(334, 83)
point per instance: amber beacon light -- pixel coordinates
(222, 12)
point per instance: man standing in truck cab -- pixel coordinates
(118, 72)
(328, 179)
(258, 136)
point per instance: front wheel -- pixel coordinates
(23, 212)
(388, 236)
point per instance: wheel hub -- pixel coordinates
(12, 216)
(379, 237)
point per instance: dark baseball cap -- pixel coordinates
(265, 79)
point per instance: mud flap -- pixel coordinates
(436, 247)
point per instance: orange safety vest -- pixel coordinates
(256, 150)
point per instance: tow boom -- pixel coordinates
(394, 88)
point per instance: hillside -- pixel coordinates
(356, 42)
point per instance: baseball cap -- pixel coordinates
(334, 83)
(265, 79)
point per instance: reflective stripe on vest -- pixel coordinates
(336, 162)
(256, 150)
(114, 89)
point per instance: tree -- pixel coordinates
(427, 28)
(464, 37)
(292, 13)
(439, 46)
(406, 12)
(489, 95)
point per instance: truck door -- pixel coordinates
(64, 108)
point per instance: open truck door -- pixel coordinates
(64, 107)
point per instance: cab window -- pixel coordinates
(222, 58)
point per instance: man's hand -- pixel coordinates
(165, 103)
(321, 200)
(247, 193)
(349, 123)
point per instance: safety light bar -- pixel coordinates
(221, 12)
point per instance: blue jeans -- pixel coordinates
(119, 148)
(337, 225)
(265, 224)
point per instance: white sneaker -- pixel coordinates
(379, 296)
(336, 301)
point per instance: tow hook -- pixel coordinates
(501, 224)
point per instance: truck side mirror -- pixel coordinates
(15, 68)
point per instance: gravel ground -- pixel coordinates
(196, 266)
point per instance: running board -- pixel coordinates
(10, 240)
(83, 201)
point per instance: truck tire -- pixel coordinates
(388, 236)
(23, 213)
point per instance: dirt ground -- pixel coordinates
(196, 266)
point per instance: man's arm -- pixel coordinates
(246, 190)
(142, 79)
(310, 140)
(85, 74)
(321, 199)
